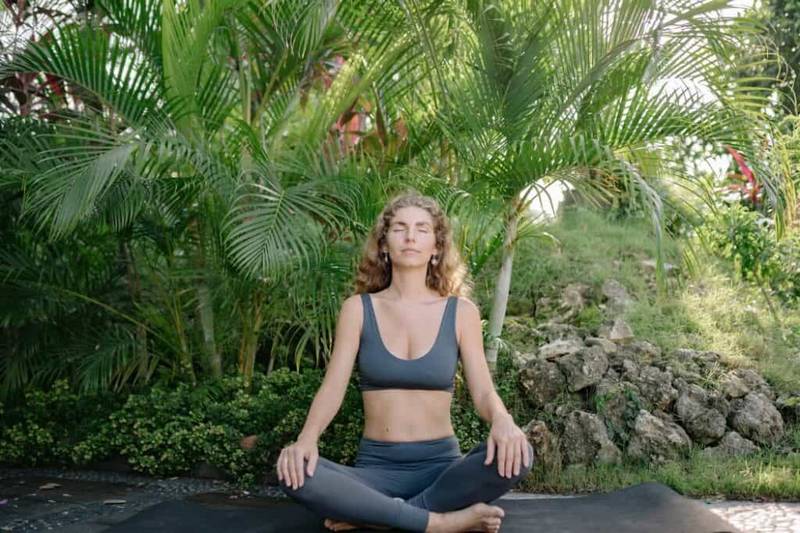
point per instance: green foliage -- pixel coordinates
(47, 424)
(590, 318)
(620, 433)
(747, 239)
(170, 430)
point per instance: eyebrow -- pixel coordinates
(417, 224)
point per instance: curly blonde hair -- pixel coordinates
(449, 277)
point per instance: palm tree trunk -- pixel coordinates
(184, 355)
(206, 311)
(205, 308)
(135, 289)
(252, 320)
(502, 287)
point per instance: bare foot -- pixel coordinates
(337, 525)
(477, 517)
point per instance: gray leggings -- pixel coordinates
(396, 484)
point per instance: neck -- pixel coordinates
(408, 285)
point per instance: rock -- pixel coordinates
(686, 375)
(645, 351)
(754, 382)
(649, 265)
(703, 359)
(656, 387)
(522, 333)
(617, 298)
(607, 346)
(755, 418)
(573, 299)
(543, 303)
(48, 486)
(704, 424)
(523, 359)
(545, 445)
(558, 348)
(657, 439)
(543, 382)
(583, 368)
(680, 384)
(789, 407)
(620, 332)
(585, 440)
(733, 386)
(553, 331)
(732, 444)
(617, 404)
(630, 369)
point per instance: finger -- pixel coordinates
(312, 464)
(278, 468)
(290, 469)
(509, 462)
(489, 451)
(527, 454)
(518, 457)
(501, 458)
(298, 465)
(511, 458)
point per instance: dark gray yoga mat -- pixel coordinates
(648, 507)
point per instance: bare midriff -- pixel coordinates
(404, 415)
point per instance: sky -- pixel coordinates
(545, 205)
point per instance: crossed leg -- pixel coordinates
(354, 495)
(466, 481)
(349, 495)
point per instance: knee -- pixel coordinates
(304, 489)
(524, 470)
(531, 458)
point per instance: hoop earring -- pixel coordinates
(385, 257)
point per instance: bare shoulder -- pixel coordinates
(466, 307)
(352, 311)
(352, 301)
(468, 316)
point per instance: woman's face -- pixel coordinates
(410, 238)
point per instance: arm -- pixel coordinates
(476, 371)
(509, 440)
(331, 393)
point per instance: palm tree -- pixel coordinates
(204, 130)
(589, 93)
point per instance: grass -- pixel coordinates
(707, 309)
(765, 476)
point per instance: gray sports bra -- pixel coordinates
(379, 369)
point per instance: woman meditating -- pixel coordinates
(408, 324)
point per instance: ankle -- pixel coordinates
(434, 522)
